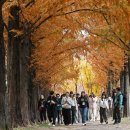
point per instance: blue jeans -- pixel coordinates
(84, 112)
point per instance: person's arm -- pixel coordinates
(69, 101)
(111, 102)
(107, 105)
(39, 104)
(55, 101)
(121, 101)
(87, 104)
(45, 104)
(62, 101)
(79, 101)
(76, 104)
(48, 100)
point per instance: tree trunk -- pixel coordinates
(13, 69)
(2, 72)
(122, 81)
(24, 78)
(127, 89)
(33, 103)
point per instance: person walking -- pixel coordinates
(78, 115)
(66, 103)
(118, 105)
(42, 108)
(59, 108)
(110, 103)
(113, 98)
(103, 108)
(51, 108)
(83, 106)
(73, 108)
(93, 107)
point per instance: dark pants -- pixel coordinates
(66, 116)
(52, 115)
(113, 113)
(73, 112)
(117, 114)
(59, 116)
(43, 114)
(103, 115)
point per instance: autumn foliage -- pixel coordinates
(61, 30)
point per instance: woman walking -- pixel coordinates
(103, 108)
(66, 108)
(42, 108)
(83, 106)
(93, 107)
(73, 108)
(59, 109)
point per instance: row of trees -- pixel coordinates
(39, 41)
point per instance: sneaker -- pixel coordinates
(85, 124)
(49, 124)
(115, 123)
(53, 125)
(106, 122)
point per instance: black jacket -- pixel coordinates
(83, 102)
(50, 101)
(42, 104)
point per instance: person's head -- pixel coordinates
(93, 95)
(67, 94)
(103, 96)
(114, 92)
(51, 93)
(42, 97)
(57, 95)
(82, 93)
(63, 95)
(71, 94)
(77, 95)
(118, 90)
(90, 96)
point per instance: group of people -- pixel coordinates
(70, 108)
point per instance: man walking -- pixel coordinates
(51, 108)
(118, 105)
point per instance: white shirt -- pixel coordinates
(93, 102)
(104, 103)
(74, 102)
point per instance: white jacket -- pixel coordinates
(66, 102)
(104, 103)
(93, 103)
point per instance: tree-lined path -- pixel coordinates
(90, 126)
(60, 45)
